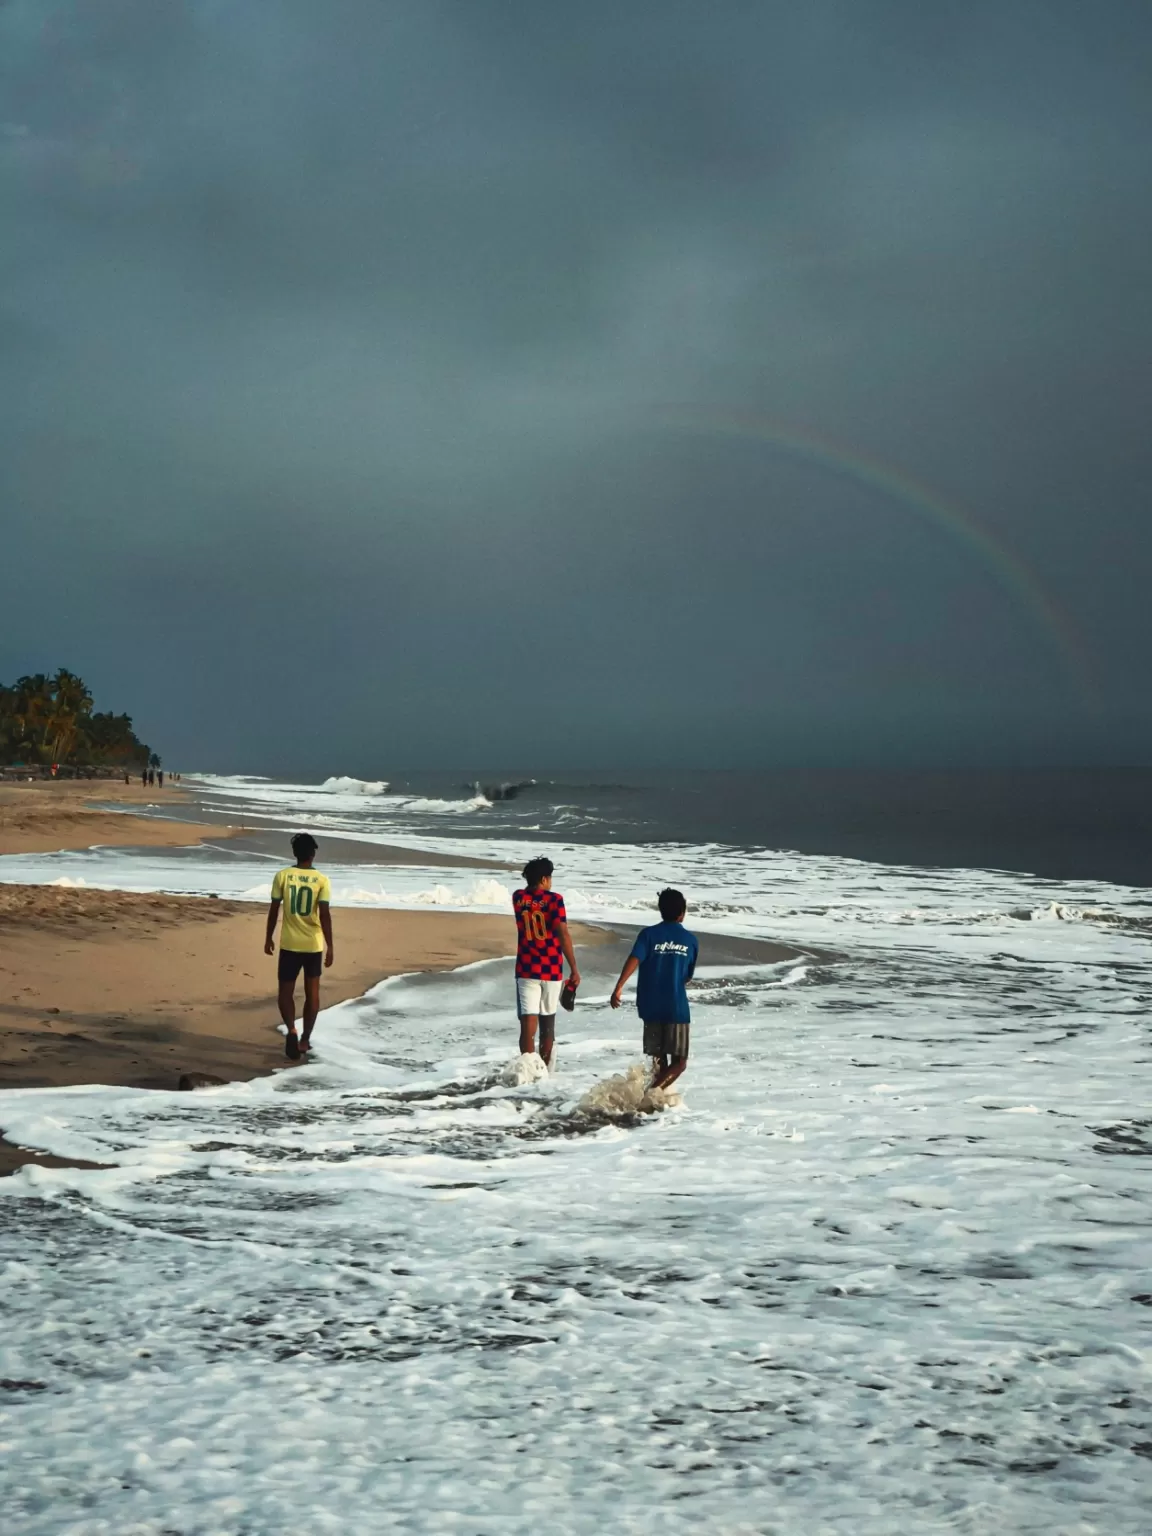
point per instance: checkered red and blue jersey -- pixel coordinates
(538, 952)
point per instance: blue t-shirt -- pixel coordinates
(667, 955)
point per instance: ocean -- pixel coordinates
(886, 1268)
(1068, 824)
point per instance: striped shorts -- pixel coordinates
(665, 1039)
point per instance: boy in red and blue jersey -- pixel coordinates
(543, 944)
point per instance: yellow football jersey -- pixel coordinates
(301, 891)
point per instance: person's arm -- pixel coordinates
(629, 970)
(326, 929)
(270, 932)
(569, 953)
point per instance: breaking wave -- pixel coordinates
(449, 807)
(346, 786)
(485, 893)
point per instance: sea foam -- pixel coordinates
(448, 807)
(866, 1308)
(524, 1069)
(347, 786)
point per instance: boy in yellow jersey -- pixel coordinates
(305, 935)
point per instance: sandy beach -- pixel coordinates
(123, 988)
(136, 989)
(42, 817)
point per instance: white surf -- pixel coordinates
(528, 1068)
(891, 1273)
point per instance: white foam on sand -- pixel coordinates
(890, 1273)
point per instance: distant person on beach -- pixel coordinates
(306, 934)
(543, 944)
(665, 956)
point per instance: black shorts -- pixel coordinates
(662, 1039)
(293, 961)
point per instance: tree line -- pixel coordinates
(51, 720)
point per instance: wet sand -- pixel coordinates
(129, 988)
(133, 989)
(45, 817)
(349, 850)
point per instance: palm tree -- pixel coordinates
(72, 692)
(50, 719)
(71, 706)
(111, 739)
(33, 706)
(8, 737)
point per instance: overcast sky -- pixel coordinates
(361, 364)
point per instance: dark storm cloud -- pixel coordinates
(344, 351)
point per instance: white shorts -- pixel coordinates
(536, 997)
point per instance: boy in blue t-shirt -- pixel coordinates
(666, 957)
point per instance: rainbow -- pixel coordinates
(1006, 568)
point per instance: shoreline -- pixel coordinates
(41, 817)
(334, 849)
(69, 816)
(135, 989)
(131, 989)
(14, 1157)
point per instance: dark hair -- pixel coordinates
(304, 845)
(672, 905)
(536, 870)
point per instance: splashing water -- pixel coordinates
(521, 1070)
(628, 1093)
